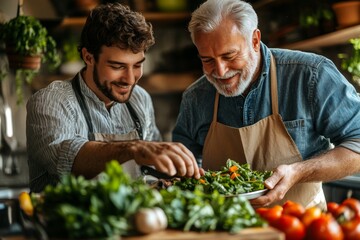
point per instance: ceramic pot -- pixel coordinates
(24, 62)
(347, 13)
(17, 61)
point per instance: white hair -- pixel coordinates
(211, 13)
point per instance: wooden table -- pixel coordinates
(245, 234)
(267, 233)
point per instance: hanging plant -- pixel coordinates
(26, 40)
(351, 63)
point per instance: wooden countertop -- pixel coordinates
(267, 233)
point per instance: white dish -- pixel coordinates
(251, 195)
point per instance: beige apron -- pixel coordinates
(130, 167)
(264, 145)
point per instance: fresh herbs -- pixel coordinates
(196, 210)
(103, 207)
(109, 205)
(231, 180)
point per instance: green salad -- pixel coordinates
(233, 179)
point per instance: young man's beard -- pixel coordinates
(107, 91)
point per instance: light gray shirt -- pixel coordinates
(56, 128)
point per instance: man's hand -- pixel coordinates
(168, 157)
(283, 178)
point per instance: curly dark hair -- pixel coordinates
(114, 24)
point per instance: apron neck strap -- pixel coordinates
(273, 84)
(216, 103)
(75, 82)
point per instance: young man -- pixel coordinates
(275, 109)
(101, 114)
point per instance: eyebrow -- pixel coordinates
(123, 63)
(221, 55)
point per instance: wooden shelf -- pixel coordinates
(266, 3)
(150, 16)
(338, 37)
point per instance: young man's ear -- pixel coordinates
(87, 57)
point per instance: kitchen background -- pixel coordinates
(171, 64)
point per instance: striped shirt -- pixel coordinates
(56, 128)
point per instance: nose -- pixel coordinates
(130, 76)
(220, 68)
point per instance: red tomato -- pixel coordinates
(261, 211)
(353, 204)
(293, 209)
(343, 213)
(270, 214)
(310, 214)
(351, 229)
(324, 228)
(293, 228)
(332, 208)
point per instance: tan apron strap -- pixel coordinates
(274, 95)
(216, 103)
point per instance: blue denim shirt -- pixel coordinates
(318, 105)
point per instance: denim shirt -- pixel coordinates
(319, 107)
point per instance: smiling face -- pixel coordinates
(230, 62)
(115, 74)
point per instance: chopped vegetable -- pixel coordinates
(231, 180)
(233, 168)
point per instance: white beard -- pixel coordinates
(245, 78)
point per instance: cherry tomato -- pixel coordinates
(332, 208)
(293, 228)
(310, 214)
(351, 229)
(324, 228)
(270, 214)
(353, 204)
(293, 209)
(343, 213)
(261, 211)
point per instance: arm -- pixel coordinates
(188, 126)
(171, 158)
(57, 142)
(335, 109)
(334, 164)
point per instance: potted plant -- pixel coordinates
(71, 60)
(347, 13)
(351, 62)
(316, 19)
(27, 45)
